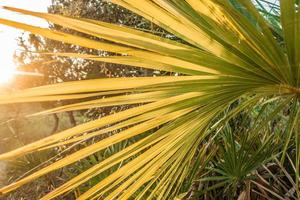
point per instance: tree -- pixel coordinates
(58, 69)
(228, 64)
(62, 69)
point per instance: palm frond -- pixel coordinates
(224, 57)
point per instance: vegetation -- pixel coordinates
(34, 48)
(225, 126)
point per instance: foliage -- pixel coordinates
(35, 51)
(33, 56)
(229, 62)
(17, 130)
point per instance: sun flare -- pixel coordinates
(6, 74)
(7, 65)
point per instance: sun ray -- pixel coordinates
(6, 74)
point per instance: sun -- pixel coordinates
(7, 65)
(7, 73)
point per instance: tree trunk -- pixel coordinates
(72, 118)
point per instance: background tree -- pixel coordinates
(62, 69)
(67, 69)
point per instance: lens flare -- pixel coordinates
(6, 74)
(7, 65)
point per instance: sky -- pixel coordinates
(8, 43)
